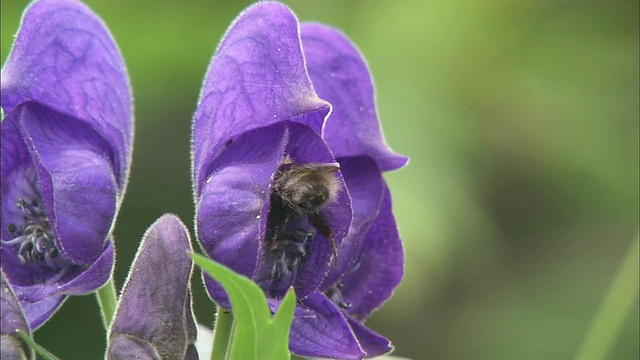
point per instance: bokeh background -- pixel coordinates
(521, 197)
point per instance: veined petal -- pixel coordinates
(324, 334)
(154, 310)
(75, 178)
(256, 78)
(65, 58)
(340, 76)
(380, 268)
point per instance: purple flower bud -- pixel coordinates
(154, 318)
(66, 150)
(288, 157)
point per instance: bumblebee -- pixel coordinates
(298, 192)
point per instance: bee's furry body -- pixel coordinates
(298, 193)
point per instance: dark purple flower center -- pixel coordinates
(36, 239)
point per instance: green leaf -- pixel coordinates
(46, 355)
(255, 335)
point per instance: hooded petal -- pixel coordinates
(325, 333)
(256, 78)
(380, 267)
(340, 76)
(65, 58)
(75, 179)
(154, 311)
(12, 319)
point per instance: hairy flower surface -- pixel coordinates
(12, 319)
(288, 157)
(154, 318)
(66, 150)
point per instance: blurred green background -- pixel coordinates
(521, 197)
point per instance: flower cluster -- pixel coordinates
(66, 150)
(287, 154)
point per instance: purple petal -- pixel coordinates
(233, 206)
(124, 347)
(94, 276)
(340, 76)
(39, 312)
(371, 342)
(14, 157)
(380, 269)
(65, 58)
(18, 174)
(12, 319)
(256, 78)
(366, 187)
(76, 182)
(39, 302)
(155, 305)
(325, 334)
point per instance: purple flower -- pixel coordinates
(154, 319)
(66, 151)
(287, 162)
(12, 319)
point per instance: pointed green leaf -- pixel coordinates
(281, 322)
(256, 335)
(46, 355)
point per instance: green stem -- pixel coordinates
(614, 309)
(107, 300)
(222, 334)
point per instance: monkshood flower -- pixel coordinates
(12, 319)
(66, 151)
(154, 318)
(287, 181)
